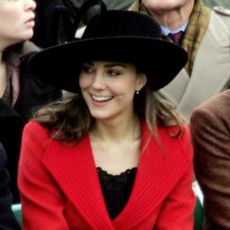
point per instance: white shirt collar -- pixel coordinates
(166, 31)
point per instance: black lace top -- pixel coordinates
(116, 189)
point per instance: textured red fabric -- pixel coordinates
(60, 188)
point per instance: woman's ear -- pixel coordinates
(141, 81)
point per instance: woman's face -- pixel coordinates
(16, 21)
(109, 87)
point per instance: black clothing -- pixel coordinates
(116, 189)
(32, 94)
(7, 219)
(11, 125)
(56, 19)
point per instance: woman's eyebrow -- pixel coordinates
(112, 64)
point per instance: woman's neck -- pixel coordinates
(116, 145)
(117, 130)
(175, 18)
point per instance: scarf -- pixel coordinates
(195, 32)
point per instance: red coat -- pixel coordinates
(60, 188)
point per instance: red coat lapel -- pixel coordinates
(158, 171)
(74, 170)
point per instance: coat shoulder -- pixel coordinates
(180, 144)
(214, 113)
(221, 11)
(36, 132)
(219, 26)
(221, 17)
(216, 105)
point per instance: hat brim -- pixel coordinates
(60, 66)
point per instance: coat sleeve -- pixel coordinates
(178, 208)
(42, 201)
(211, 140)
(7, 219)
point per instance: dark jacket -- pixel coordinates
(11, 124)
(32, 95)
(55, 20)
(7, 219)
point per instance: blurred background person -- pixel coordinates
(204, 34)
(20, 92)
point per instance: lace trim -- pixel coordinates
(115, 182)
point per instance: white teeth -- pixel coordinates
(101, 98)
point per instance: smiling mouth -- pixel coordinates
(101, 98)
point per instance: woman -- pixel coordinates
(115, 155)
(19, 91)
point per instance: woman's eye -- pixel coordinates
(87, 69)
(113, 72)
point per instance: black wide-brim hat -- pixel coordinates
(114, 35)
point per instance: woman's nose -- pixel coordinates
(98, 81)
(30, 5)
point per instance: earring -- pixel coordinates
(137, 92)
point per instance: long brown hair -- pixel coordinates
(69, 119)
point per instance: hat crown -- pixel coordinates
(122, 23)
(112, 36)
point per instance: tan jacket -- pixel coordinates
(211, 69)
